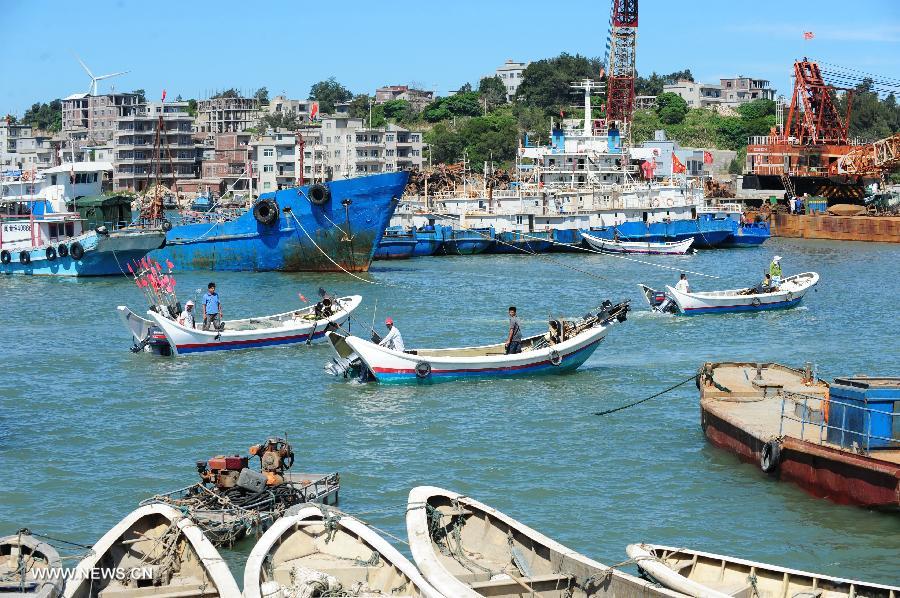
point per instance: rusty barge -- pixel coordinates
(839, 441)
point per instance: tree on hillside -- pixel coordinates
(359, 105)
(262, 95)
(757, 109)
(280, 120)
(671, 108)
(871, 117)
(192, 107)
(492, 91)
(47, 117)
(653, 85)
(396, 109)
(545, 83)
(328, 93)
(228, 93)
(459, 104)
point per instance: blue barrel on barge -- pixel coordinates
(864, 411)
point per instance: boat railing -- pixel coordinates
(816, 414)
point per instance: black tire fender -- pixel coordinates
(755, 302)
(555, 357)
(62, 250)
(76, 250)
(166, 226)
(319, 194)
(266, 212)
(423, 370)
(770, 456)
(5, 256)
(24, 257)
(50, 253)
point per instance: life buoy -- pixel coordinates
(76, 251)
(266, 212)
(654, 203)
(50, 253)
(770, 456)
(62, 250)
(555, 357)
(755, 302)
(24, 257)
(670, 202)
(423, 370)
(319, 194)
(5, 256)
(166, 226)
(102, 230)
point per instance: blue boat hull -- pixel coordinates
(707, 232)
(567, 240)
(104, 255)
(743, 308)
(466, 242)
(428, 242)
(519, 243)
(341, 234)
(395, 249)
(748, 236)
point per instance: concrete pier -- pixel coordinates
(883, 229)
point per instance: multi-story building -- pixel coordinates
(282, 105)
(740, 89)
(139, 161)
(276, 160)
(511, 75)
(24, 148)
(697, 95)
(417, 98)
(227, 115)
(92, 119)
(229, 165)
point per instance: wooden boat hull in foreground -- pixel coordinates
(638, 247)
(160, 553)
(706, 575)
(466, 549)
(317, 551)
(22, 554)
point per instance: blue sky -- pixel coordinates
(195, 47)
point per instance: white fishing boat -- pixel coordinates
(29, 567)
(161, 332)
(564, 348)
(787, 294)
(706, 575)
(154, 552)
(643, 247)
(467, 549)
(324, 552)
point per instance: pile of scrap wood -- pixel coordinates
(440, 178)
(714, 188)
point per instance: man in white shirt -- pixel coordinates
(186, 318)
(682, 285)
(392, 339)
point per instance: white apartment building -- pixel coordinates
(697, 95)
(728, 92)
(22, 149)
(283, 105)
(511, 75)
(92, 119)
(276, 160)
(352, 149)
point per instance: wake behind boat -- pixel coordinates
(467, 549)
(566, 346)
(161, 553)
(787, 294)
(642, 247)
(324, 552)
(705, 575)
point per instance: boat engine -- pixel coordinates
(224, 472)
(275, 456)
(155, 342)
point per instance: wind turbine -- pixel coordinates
(92, 90)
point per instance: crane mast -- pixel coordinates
(620, 84)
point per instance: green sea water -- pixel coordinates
(88, 429)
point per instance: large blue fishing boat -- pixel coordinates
(429, 240)
(396, 243)
(324, 227)
(56, 224)
(518, 242)
(462, 241)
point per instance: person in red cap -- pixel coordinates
(392, 339)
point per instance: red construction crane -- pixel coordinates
(813, 118)
(622, 44)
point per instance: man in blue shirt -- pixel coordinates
(212, 308)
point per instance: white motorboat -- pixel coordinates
(642, 247)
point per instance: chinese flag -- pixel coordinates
(707, 158)
(677, 166)
(808, 35)
(164, 95)
(313, 110)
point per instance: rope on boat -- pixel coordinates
(659, 394)
(347, 235)
(326, 255)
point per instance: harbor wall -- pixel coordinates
(883, 229)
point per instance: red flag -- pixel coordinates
(313, 110)
(302, 298)
(677, 166)
(602, 72)
(808, 35)
(170, 265)
(707, 158)
(561, 115)
(164, 95)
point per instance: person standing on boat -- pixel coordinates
(775, 270)
(392, 339)
(514, 339)
(683, 285)
(212, 308)
(186, 318)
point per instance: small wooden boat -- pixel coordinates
(154, 552)
(29, 567)
(706, 575)
(564, 348)
(644, 247)
(324, 552)
(787, 294)
(163, 334)
(466, 549)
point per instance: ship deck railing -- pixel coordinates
(812, 413)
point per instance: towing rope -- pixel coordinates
(659, 394)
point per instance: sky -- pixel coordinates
(194, 48)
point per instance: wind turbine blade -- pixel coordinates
(84, 66)
(101, 77)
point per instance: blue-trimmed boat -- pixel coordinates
(396, 244)
(707, 230)
(518, 242)
(467, 241)
(429, 240)
(315, 228)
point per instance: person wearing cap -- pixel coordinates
(775, 270)
(186, 318)
(683, 285)
(392, 340)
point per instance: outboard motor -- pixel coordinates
(157, 342)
